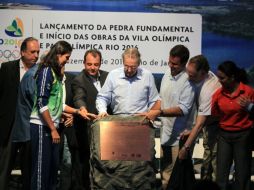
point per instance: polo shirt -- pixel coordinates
(233, 117)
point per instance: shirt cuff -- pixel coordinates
(102, 111)
(43, 109)
(64, 105)
(184, 109)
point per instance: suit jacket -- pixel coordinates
(84, 91)
(69, 132)
(9, 83)
(84, 94)
(69, 94)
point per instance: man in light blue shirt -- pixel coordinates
(177, 97)
(129, 90)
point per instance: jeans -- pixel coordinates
(234, 146)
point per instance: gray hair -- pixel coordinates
(132, 53)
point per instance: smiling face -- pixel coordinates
(175, 65)
(63, 59)
(92, 64)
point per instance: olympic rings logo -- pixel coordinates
(9, 55)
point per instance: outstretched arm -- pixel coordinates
(200, 122)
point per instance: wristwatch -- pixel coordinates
(162, 113)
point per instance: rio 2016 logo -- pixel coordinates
(16, 29)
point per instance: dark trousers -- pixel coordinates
(83, 139)
(70, 173)
(45, 159)
(5, 154)
(234, 146)
(8, 155)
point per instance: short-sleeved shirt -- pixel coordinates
(207, 89)
(233, 117)
(176, 91)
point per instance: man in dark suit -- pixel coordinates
(11, 74)
(70, 167)
(85, 88)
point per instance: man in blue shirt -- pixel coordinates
(129, 90)
(177, 94)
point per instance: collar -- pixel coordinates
(240, 90)
(200, 84)
(21, 64)
(177, 76)
(64, 79)
(97, 78)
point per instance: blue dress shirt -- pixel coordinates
(127, 95)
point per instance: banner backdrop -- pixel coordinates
(154, 34)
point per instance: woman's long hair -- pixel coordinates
(51, 58)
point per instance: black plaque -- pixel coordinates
(124, 141)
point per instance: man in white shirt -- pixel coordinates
(206, 83)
